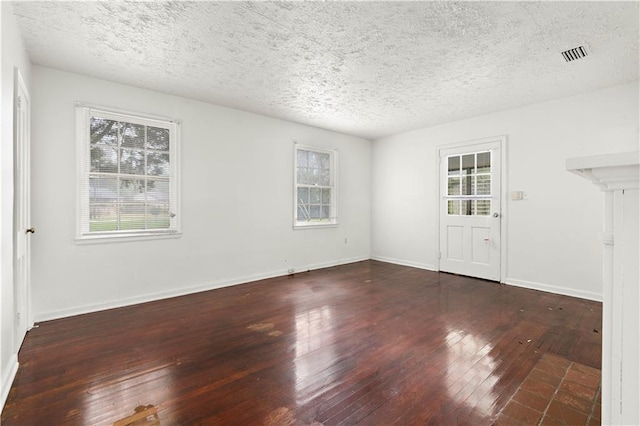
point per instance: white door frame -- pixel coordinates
(471, 144)
(22, 186)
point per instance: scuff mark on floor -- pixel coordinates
(266, 327)
(144, 415)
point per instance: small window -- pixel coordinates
(469, 184)
(128, 175)
(315, 187)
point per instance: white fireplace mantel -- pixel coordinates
(618, 175)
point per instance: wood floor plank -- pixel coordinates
(365, 343)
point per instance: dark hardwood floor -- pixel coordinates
(368, 342)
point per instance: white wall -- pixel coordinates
(13, 56)
(552, 237)
(237, 202)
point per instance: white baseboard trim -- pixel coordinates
(402, 262)
(8, 376)
(566, 291)
(85, 309)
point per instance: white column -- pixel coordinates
(618, 175)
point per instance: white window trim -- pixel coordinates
(334, 187)
(83, 114)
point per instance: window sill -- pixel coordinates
(315, 225)
(120, 238)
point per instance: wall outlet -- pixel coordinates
(517, 195)
(290, 270)
(346, 240)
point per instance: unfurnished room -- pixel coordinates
(319, 213)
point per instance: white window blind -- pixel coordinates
(315, 198)
(128, 174)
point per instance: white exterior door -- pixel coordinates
(22, 225)
(470, 210)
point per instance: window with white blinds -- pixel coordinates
(315, 187)
(128, 177)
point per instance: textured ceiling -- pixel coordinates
(365, 68)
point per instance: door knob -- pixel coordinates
(496, 214)
(31, 231)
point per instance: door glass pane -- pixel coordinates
(453, 186)
(468, 183)
(468, 164)
(454, 165)
(453, 207)
(483, 207)
(484, 185)
(484, 162)
(466, 208)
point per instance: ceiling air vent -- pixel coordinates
(576, 53)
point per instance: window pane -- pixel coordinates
(326, 196)
(453, 186)
(303, 213)
(314, 160)
(314, 212)
(483, 207)
(454, 165)
(103, 217)
(103, 190)
(104, 132)
(302, 157)
(484, 162)
(325, 178)
(132, 162)
(157, 164)
(132, 216)
(324, 161)
(326, 212)
(484, 185)
(303, 196)
(303, 176)
(104, 159)
(158, 216)
(468, 164)
(103, 204)
(158, 192)
(315, 195)
(132, 190)
(133, 135)
(158, 138)
(314, 177)
(453, 207)
(466, 207)
(468, 184)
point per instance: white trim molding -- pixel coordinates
(85, 309)
(402, 262)
(8, 376)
